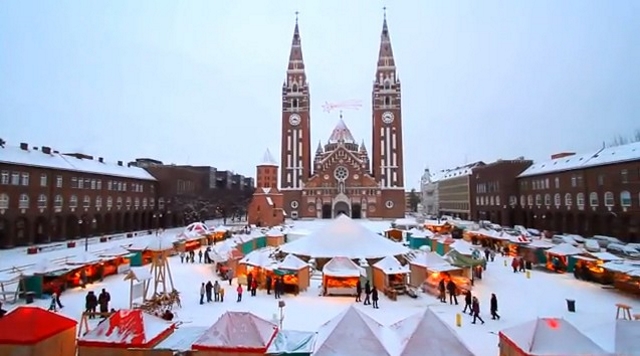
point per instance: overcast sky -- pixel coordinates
(199, 82)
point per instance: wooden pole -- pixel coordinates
(131, 293)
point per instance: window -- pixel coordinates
(42, 201)
(387, 101)
(87, 183)
(557, 200)
(387, 84)
(538, 199)
(4, 201)
(530, 200)
(624, 176)
(80, 183)
(574, 181)
(609, 200)
(593, 199)
(625, 198)
(547, 199)
(601, 180)
(522, 200)
(109, 185)
(58, 181)
(5, 178)
(557, 182)
(491, 201)
(86, 202)
(128, 202)
(119, 187)
(546, 183)
(98, 202)
(124, 187)
(15, 178)
(74, 182)
(25, 179)
(93, 184)
(24, 201)
(141, 188)
(73, 202)
(109, 202)
(43, 180)
(580, 200)
(497, 200)
(294, 88)
(136, 203)
(99, 184)
(580, 181)
(144, 203)
(58, 202)
(119, 203)
(161, 203)
(568, 201)
(152, 202)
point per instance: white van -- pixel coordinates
(591, 245)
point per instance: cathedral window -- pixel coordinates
(387, 101)
(294, 103)
(294, 88)
(387, 84)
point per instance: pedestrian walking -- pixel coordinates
(230, 275)
(367, 293)
(475, 305)
(182, 257)
(515, 264)
(358, 291)
(494, 307)
(221, 294)
(239, 290)
(452, 288)
(202, 292)
(56, 292)
(200, 256)
(53, 304)
(269, 281)
(254, 287)
(467, 302)
(374, 297)
(442, 289)
(208, 290)
(216, 291)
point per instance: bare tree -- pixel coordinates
(620, 140)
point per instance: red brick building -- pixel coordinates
(266, 207)
(49, 196)
(593, 193)
(495, 191)
(341, 178)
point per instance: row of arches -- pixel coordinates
(42, 229)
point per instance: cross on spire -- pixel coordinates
(384, 12)
(297, 16)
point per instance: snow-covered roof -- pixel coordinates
(426, 331)
(352, 332)
(464, 247)
(260, 258)
(409, 222)
(463, 171)
(36, 158)
(221, 228)
(391, 265)
(139, 274)
(550, 336)
(618, 337)
(344, 237)
(341, 133)
(45, 266)
(237, 331)
(274, 232)
(268, 160)
(293, 263)
(620, 266)
(269, 201)
(565, 249)
(421, 233)
(181, 339)
(605, 256)
(428, 259)
(343, 267)
(160, 243)
(291, 342)
(83, 258)
(601, 157)
(128, 328)
(540, 244)
(115, 251)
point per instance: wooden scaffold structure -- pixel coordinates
(159, 292)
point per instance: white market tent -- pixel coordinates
(426, 331)
(292, 342)
(548, 336)
(343, 267)
(619, 337)
(565, 249)
(344, 237)
(354, 333)
(237, 332)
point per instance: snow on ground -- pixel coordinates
(520, 299)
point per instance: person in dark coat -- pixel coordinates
(521, 265)
(374, 297)
(515, 264)
(467, 302)
(358, 291)
(452, 289)
(200, 256)
(254, 287)
(494, 307)
(103, 300)
(269, 282)
(441, 288)
(57, 291)
(367, 293)
(91, 302)
(475, 306)
(208, 289)
(249, 280)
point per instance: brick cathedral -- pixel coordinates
(341, 178)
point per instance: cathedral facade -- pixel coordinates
(343, 177)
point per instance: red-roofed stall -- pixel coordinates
(54, 335)
(236, 333)
(123, 331)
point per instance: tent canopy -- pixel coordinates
(292, 263)
(354, 333)
(344, 237)
(565, 249)
(616, 336)
(343, 267)
(128, 328)
(291, 342)
(391, 265)
(19, 326)
(426, 331)
(550, 336)
(238, 331)
(428, 259)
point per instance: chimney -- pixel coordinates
(35, 148)
(56, 152)
(120, 163)
(46, 150)
(100, 159)
(562, 155)
(24, 146)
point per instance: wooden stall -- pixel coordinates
(458, 275)
(44, 277)
(394, 234)
(558, 257)
(221, 233)
(115, 260)
(420, 263)
(33, 331)
(275, 237)
(258, 263)
(418, 238)
(227, 260)
(123, 331)
(295, 273)
(628, 282)
(390, 277)
(221, 340)
(442, 244)
(588, 266)
(88, 269)
(440, 227)
(340, 276)
(535, 252)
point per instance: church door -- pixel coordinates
(326, 211)
(356, 211)
(341, 208)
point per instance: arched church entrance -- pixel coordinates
(341, 208)
(326, 211)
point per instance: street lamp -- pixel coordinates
(86, 242)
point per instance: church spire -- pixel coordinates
(385, 54)
(295, 54)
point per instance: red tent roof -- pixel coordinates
(18, 327)
(128, 328)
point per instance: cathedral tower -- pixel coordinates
(296, 131)
(387, 164)
(267, 172)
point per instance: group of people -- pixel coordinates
(472, 302)
(209, 289)
(370, 294)
(92, 302)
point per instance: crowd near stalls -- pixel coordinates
(428, 269)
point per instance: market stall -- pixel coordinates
(295, 274)
(588, 266)
(115, 260)
(390, 276)
(441, 244)
(292, 343)
(458, 275)
(546, 336)
(340, 276)
(259, 263)
(45, 277)
(558, 257)
(259, 237)
(275, 237)
(419, 237)
(88, 269)
(221, 233)
(439, 227)
(226, 258)
(426, 331)
(236, 333)
(628, 282)
(535, 252)
(123, 331)
(33, 331)
(420, 263)
(395, 234)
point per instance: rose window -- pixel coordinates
(341, 173)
